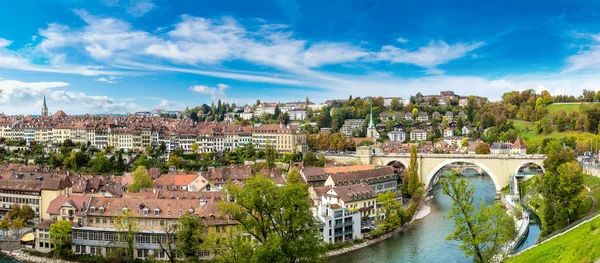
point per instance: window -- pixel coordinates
(156, 211)
(97, 220)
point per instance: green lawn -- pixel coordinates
(566, 107)
(578, 245)
(528, 131)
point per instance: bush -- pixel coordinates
(410, 212)
(36, 253)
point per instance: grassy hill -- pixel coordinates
(578, 245)
(528, 131)
(571, 107)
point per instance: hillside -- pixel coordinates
(528, 131)
(578, 245)
(567, 107)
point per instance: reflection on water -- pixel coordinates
(425, 240)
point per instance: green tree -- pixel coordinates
(27, 213)
(278, 218)
(310, 159)
(233, 246)
(270, 155)
(4, 225)
(294, 177)
(195, 147)
(141, 180)
(483, 232)
(465, 142)
(142, 160)
(16, 224)
(175, 161)
(415, 112)
(100, 164)
(188, 235)
(127, 228)
(168, 244)
(60, 234)
(392, 209)
(414, 185)
(561, 190)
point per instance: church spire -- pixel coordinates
(371, 124)
(44, 108)
(45, 102)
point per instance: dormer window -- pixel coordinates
(92, 209)
(156, 211)
(191, 211)
(101, 209)
(124, 209)
(145, 211)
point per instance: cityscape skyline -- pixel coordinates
(128, 56)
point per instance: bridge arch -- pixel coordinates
(429, 175)
(539, 163)
(402, 162)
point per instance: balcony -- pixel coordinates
(348, 223)
(342, 233)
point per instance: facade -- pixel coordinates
(359, 197)
(418, 135)
(381, 179)
(448, 132)
(350, 125)
(422, 117)
(397, 136)
(297, 114)
(337, 223)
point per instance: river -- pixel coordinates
(425, 240)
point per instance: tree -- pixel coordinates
(395, 104)
(195, 147)
(465, 142)
(294, 177)
(168, 244)
(27, 213)
(561, 190)
(188, 235)
(60, 234)
(415, 112)
(127, 229)
(142, 160)
(482, 148)
(4, 225)
(278, 218)
(232, 247)
(100, 164)
(162, 148)
(270, 155)
(483, 232)
(414, 185)
(310, 159)
(141, 180)
(175, 161)
(16, 224)
(392, 209)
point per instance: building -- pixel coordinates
(371, 130)
(381, 179)
(500, 148)
(44, 108)
(408, 116)
(351, 125)
(297, 114)
(358, 197)
(314, 176)
(387, 102)
(448, 132)
(105, 218)
(337, 223)
(422, 116)
(397, 136)
(184, 182)
(518, 147)
(463, 102)
(449, 116)
(418, 135)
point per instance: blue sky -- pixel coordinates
(129, 55)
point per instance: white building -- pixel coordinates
(246, 115)
(397, 136)
(418, 135)
(297, 115)
(448, 132)
(338, 224)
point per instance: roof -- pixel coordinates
(55, 184)
(354, 192)
(519, 143)
(78, 202)
(345, 169)
(385, 173)
(175, 179)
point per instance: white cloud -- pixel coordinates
(215, 93)
(4, 43)
(139, 8)
(434, 54)
(171, 105)
(402, 40)
(109, 79)
(18, 97)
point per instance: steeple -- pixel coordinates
(371, 124)
(44, 108)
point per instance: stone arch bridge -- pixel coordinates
(499, 167)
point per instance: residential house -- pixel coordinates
(397, 136)
(418, 135)
(408, 116)
(448, 132)
(353, 197)
(449, 116)
(422, 116)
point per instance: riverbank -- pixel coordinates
(422, 211)
(23, 257)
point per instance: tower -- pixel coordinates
(371, 131)
(44, 108)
